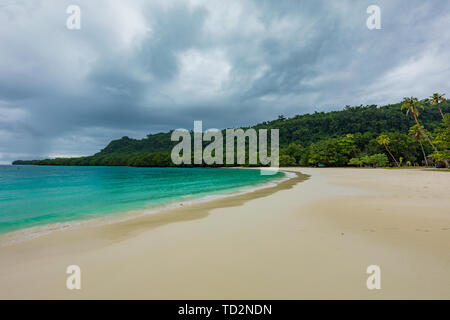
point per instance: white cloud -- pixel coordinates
(202, 74)
(418, 76)
(139, 66)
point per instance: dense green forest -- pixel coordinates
(408, 133)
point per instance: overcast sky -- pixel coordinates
(137, 67)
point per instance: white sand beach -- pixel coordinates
(310, 239)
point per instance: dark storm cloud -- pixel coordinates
(137, 67)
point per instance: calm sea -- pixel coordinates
(40, 195)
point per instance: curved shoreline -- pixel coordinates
(156, 216)
(199, 210)
(311, 241)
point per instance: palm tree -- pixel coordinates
(414, 131)
(436, 99)
(412, 106)
(383, 139)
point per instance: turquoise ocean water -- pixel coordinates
(40, 195)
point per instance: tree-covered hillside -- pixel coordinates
(336, 138)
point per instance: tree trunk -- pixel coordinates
(423, 132)
(442, 114)
(423, 151)
(428, 138)
(387, 149)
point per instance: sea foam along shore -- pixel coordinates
(27, 234)
(309, 240)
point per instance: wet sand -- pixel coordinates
(309, 237)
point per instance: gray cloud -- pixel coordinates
(137, 67)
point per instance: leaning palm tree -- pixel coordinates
(383, 139)
(412, 106)
(435, 100)
(414, 132)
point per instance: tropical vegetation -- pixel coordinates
(411, 133)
